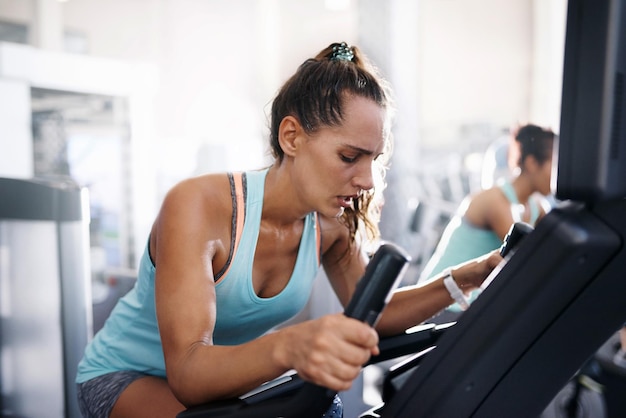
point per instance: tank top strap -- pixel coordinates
(255, 191)
(509, 192)
(318, 236)
(247, 191)
(534, 207)
(254, 207)
(238, 197)
(533, 204)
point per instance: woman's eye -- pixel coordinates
(347, 159)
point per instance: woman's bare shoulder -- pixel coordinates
(209, 187)
(198, 197)
(480, 207)
(198, 206)
(488, 197)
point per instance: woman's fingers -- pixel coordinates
(335, 350)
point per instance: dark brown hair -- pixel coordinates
(536, 141)
(315, 95)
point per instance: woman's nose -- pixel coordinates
(364, 179)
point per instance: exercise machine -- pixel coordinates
(560, 296)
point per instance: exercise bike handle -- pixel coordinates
(517, 232)
(374, 290)
(382, 276)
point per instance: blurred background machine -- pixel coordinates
(45, 295)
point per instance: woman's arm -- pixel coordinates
(344, 265)
(409, 305)
(412, 305)
(186, 240)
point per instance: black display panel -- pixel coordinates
(549, 308)
(592, 138)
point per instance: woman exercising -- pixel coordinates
(232, 255)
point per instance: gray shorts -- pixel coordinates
(97, 396)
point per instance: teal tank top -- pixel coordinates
(129, 339)
(462, 241)
(241, 314)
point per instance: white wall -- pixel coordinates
(476, 58)
(16, 146)
(17, 11)
(547, 77)
(479, 61)
(220, 64)
(488, 61)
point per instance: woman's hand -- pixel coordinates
(472, 274)
(329, 351)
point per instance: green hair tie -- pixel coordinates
(342, 52)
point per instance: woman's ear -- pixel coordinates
(288, 132)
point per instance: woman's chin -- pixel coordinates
(335, 212)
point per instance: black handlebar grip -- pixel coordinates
(516, 234)
(382, 276)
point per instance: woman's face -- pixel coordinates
(545, 170)
(335, 164)
(546, 173)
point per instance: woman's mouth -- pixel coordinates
(346, 201)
